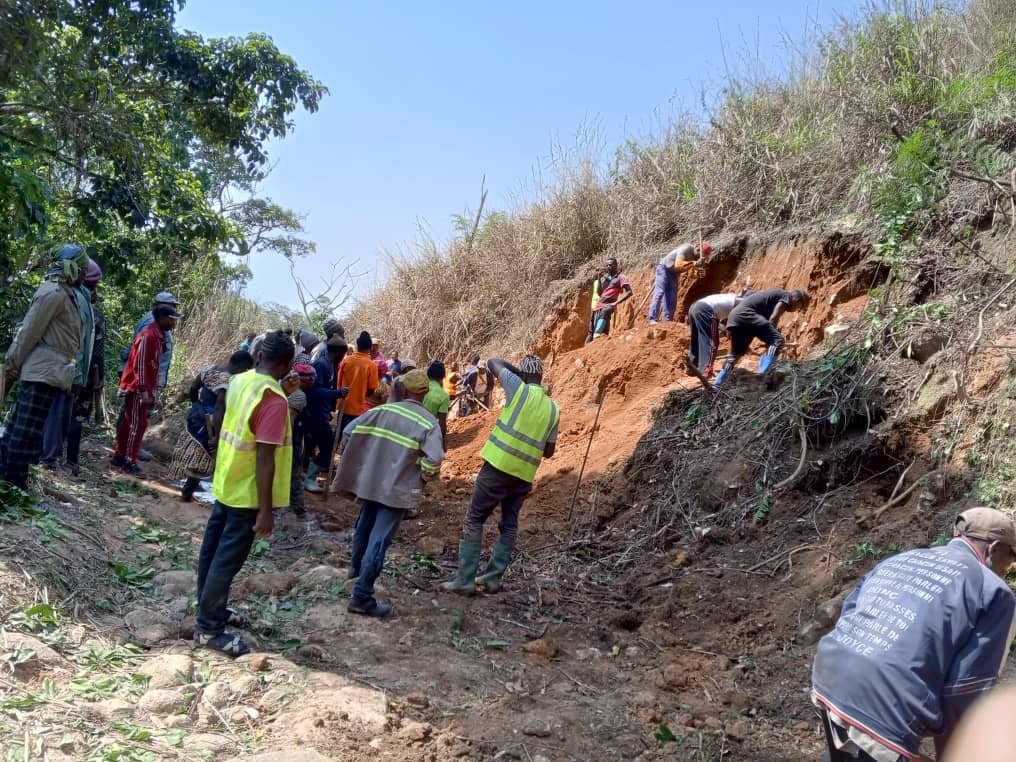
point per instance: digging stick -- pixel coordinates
(589, 445)
(335, 446)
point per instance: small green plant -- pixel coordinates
(417, 562)
(664, 734)
(696, 412)
(139, 578)
(261, 547)
(458, 618)
(117, 752)
(763, 506)
(110, 657)
(41, 617)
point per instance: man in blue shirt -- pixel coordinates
(921, 638)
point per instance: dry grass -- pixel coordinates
(799, 150)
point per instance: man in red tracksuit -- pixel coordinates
(139, 386)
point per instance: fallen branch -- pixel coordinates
(980, 315)
(899, 498)
(800, 463)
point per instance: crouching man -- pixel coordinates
(387, 455)
(920, 639)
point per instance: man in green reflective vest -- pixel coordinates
(525, 433)
(252, 475)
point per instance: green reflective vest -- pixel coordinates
(234, 483)
(516, 444)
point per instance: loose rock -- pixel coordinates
(107, 710)
(271, 583)
(148, 628)
(321, 576)
(31, 656)
(543, 648)
(168, 670)
(162, 701)
(430, 546)
(176, 582)
(538, 728)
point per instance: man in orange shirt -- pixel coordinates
(359, 373)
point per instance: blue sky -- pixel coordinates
(428, 98)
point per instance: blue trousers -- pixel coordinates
(229, 536)
(372, 535)
(58, 422)
(664, 294)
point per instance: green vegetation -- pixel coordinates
(143, 142)
(873, 127)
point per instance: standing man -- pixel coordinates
(43, 356)
(398, 392)
(387, 455)
(525, 432)
(704, 318)
(668, 278)
(321, 399)
(921, 638)
(756, 317)
(333, 329)
(162, 299)
(65, 406)
(614, 288)
(139, 386)
(394, 365)
(437, 400)
(359, 374)
(252, 477)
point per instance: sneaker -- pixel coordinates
(652, 322)
(235, 619)
(368, 607)
(75, 469)
(134, 470)
(118, 463)
(224, 642)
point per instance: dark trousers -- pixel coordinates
(132, 428)
(759, 328)
(372, 535)
(229, 536)
(296, 477)
(21, 443)
(319, 435)
(605, 314)
(346, 420)
(82, 410)
(664, 294)
(58, 422)
(705, 336)
(494, 487)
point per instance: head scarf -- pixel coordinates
(93, 273)
(70, 260)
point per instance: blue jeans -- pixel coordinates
(372, 535)
(664, 294)
(229, 536)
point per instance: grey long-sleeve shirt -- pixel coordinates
(388, 452)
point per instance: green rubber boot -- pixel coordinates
(469, 559)
(490, 580)
(310, 483)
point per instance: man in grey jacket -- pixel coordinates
(921, 638)
(43, 355)
(387, 454)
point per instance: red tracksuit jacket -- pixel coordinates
(141, 374)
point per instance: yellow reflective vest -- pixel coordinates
(516, 444)
(236, 459)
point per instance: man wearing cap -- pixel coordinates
(44, 356)
(321, 399)
(332, 328)
(921, 638)
(398, 392)
(162, 299)
(387, 455)
(668, 277)
(139, 386)
(525, 433)
(67, 404)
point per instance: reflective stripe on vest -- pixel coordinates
(516, 443)
(235, 483)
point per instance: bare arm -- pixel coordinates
(217, 416)
(549, 449)
(625, 296)
(495, 365)
(775, 317)
(442, 419)
(195, 388)
(264, 476)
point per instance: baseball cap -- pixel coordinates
(166, 310)
(416, 381)
(986, 524)
(166, 297)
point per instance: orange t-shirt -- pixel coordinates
(360, 374)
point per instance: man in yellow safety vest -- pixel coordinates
(252, 475)
(525, 433)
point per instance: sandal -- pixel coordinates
(224, 642)
(235, 619)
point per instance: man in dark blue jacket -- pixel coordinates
(317, 416)
(920, 639)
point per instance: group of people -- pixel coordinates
(389, 448)
(742, 316)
